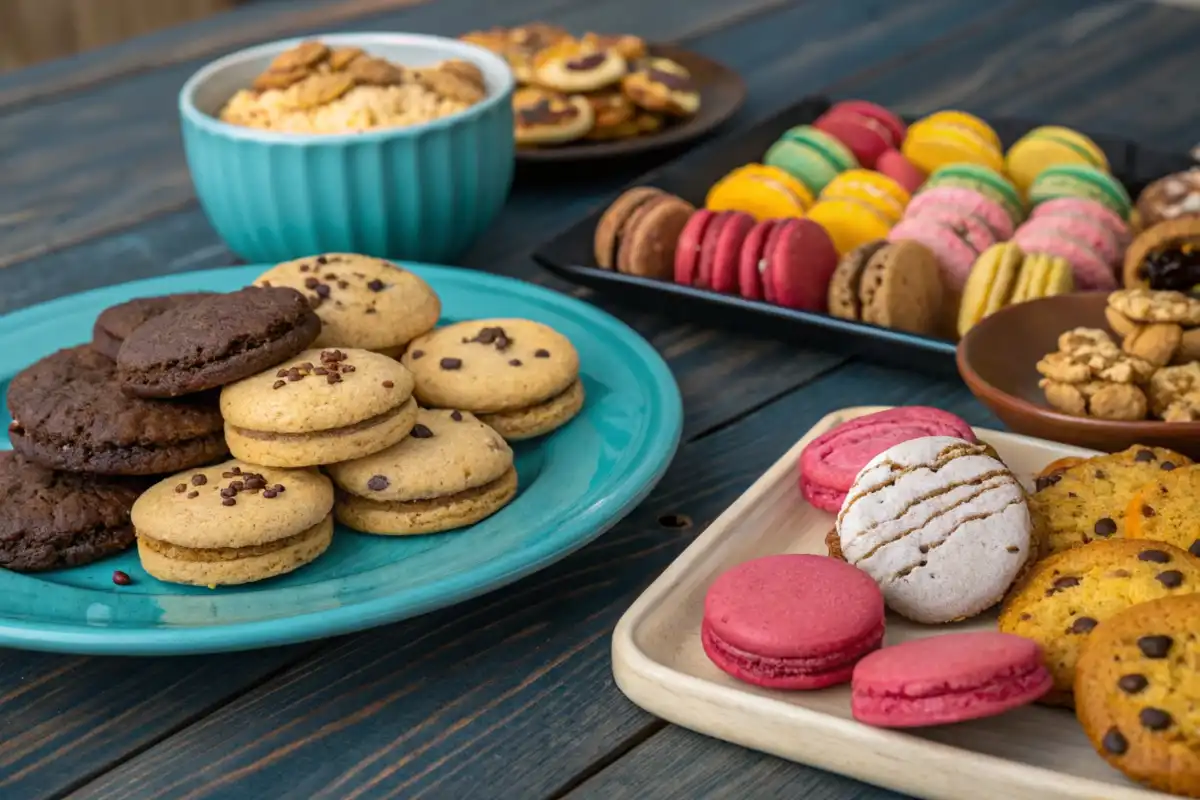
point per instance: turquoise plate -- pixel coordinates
(575, 484)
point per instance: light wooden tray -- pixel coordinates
(1030, 753)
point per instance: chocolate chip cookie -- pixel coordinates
(69, 413)
(52, 519)
(114, 324)
(1136, 691)
(215, 341)
(1165, 510)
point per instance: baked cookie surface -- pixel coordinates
(1164, 510)
(115, 323)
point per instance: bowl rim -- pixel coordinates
(454, 48)
(990, 394)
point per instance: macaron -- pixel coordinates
(1004, 275)
(830, 463)
(951, 137)
(752, 260)
(956, 245)
(720, 251)
(763, 191)
(1048, 146)
(1092, 258)
(1090, 210)
(687, 248)
(863, 129)
(850, 223)
(1075, 180)
(811, 156)
(893, 164)
(941, 525)
(893, 285)
(968, 203)
(791, 621)
(638, 233)
(799, 260)
(895, 127)
(451, 471)
(949, 678)
(870, 188)
(986, 181)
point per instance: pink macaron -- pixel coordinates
(956, 245)
(969, 202)
(948, 678)
(708, 249)
(722, 273)
(1099, 239)
(830, 463)
(792, 621)
(800, 260)
(752, 259)
(893, 164)
(1091, 269)
(687, 249)
(1090, 210)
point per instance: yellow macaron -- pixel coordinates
(873, 188)
(850, 223)
(1004, 275)
(761, 191)
(1042, 275)
(952, 137)
(1048, 146)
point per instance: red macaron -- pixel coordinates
(867, 135)
(751, 261)
(721, 274)
(792, 621)
(895, 126)
(800, 260)
(687, 248)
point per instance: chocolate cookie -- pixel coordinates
(215, 341)
(69, 413)
(114, 324)
(54, 519)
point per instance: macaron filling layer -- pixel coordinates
(832, 665)
(408, 406)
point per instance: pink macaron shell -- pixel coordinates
(792, 621)
(708, 249)
(728, 252)
(865, 138)
(1091, 270)
(765, 263)
(1087, 209)
(799, 265)
(893, 164)
(895, 126)
(834, 459)
(954, 215)
(969, 202)
(821, 497)
(750, 260)
(954, 253)
(948, 678)
(1099, 239)
(687, 249)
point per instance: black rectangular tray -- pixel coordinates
(569, 254)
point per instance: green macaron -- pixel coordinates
(986, 181)
(812, 157)
(1076, 180)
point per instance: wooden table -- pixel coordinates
(510, 695)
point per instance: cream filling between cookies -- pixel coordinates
(181, 553)
(369, 422)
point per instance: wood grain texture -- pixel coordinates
(471, 701)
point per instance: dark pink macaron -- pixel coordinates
(800, 261)
(831, 462)
(687, 249)
(727, 251)
(950, 678)
(893, 164)
(792, 621)
(708, 249)
(865, 137)
(873, 111)
(752, 259)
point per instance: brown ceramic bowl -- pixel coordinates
(997, 360)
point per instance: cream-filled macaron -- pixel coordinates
(450, 471)
(320, 407)
(233, 523)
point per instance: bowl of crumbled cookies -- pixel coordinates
(391, 145)
(1095, 369)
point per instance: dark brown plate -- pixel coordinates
(997, 360)
(722, 93)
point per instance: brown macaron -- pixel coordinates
(612, 223)
(844, 300)
(647, 245)
(1173, 234)
(894, 285)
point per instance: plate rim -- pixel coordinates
(630, 489)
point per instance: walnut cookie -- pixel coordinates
(1089, 375)
(317, 89)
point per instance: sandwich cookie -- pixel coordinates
(365, 303)
(811, 156)
(70, 413)
(791, 621)
(1064, 597)
(320, 407)
(215, 340)
(50, 519)
(940, 525)
(662, 86)
(115, 324)
(895, 285)
(233, 523)
(1004, 275)
(763, 192)
(639, 232)
(1172, 197)
(519, 377)
(949, 678)
(1049, 146)
(542, 117)
(451, 471)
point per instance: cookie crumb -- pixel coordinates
(121, 578)
(279, 384)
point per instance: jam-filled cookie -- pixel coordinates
(1165, 257)
(663, 86)
(573, 67)
(543, 117)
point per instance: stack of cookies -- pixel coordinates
(1154, 371)
(299, 378)
(594, 88)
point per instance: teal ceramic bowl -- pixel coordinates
(424, 192)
